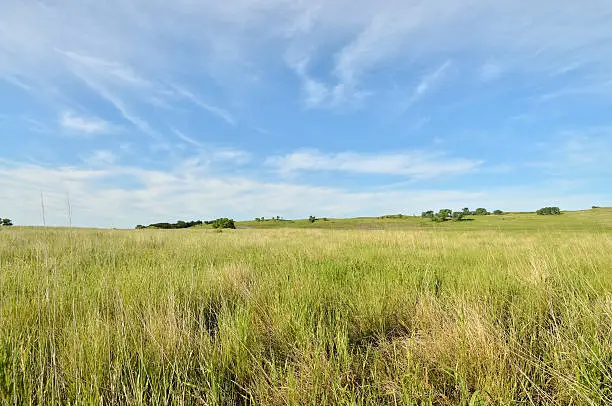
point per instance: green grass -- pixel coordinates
(588, 220)
(499, 310)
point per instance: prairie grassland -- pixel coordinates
(294, 316)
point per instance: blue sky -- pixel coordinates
(138, 111)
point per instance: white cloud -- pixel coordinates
(187, 139)
(413, 164)
(217, 111)
(229, 40)
(192, 191)
(101, 158)
(490, 71)
(72, 122)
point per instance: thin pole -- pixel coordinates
(42, 205)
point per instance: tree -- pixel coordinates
(458, 215)
(140, 227)
(466, 211)
(312, 219)
(6, 222)
(498, 212)
(445, 213)
(547, 211)
(223, 222)
(481, 211)
(428, 214)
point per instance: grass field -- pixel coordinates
(498, 310)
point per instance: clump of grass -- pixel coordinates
(305, 317)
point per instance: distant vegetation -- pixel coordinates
(449, 215)
(223, 223)
(171, 226)
(548, 211)
(277, 218)
(5, 222)
(393, 216)
(218, 223)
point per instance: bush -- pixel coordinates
(438, 219)
(173, 226)
(594, 207)
(547, 211)
(223, 223)
(445, 213)
(428, 214)
(458, 215)
(498, 212)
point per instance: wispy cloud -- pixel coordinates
(101, 158)
(426, 84)
(217, 111)
(74, 123)
(491, 70)
(413, 164)
(187, 139)
(102, 77)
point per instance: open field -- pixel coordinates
(498, 310)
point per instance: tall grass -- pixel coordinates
(305, 317)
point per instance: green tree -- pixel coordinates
(6, 222)
(498, 212)
(466, 211)
(445, 213)
(458, 215)
(549, 211)
(481, 211)
(223, 222)
(312, 219)
(427, 214)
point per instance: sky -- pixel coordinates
(127, 112)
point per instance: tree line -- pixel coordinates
(450, 215)
(223, 222)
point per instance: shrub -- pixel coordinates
(223, 223)
(438, 219)
(498, 212)
(177, 225)
(458, 215)
(392, 216)
(547, 211)
(428, 214)
(445, 213)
